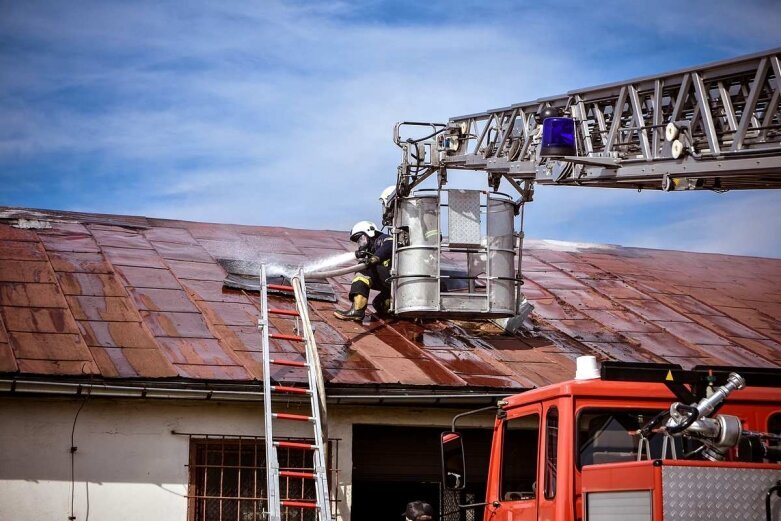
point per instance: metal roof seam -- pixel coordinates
(58, 284)
(347, 341)
(427, 355)
(136, 314)
(758, 311)
(627, 336)
(7, 360)
(204, 314)
(220, 338)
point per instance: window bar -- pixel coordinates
(287, 482)
(202, 502)
(255, 483)
(238, 485)
(222, 471)
(335, 470)
(192, 478)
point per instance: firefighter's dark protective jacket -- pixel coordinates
(381, 246)
(375, 276)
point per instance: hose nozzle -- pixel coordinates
(709, 404)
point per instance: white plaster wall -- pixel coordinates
(128, 463)
(129, 466)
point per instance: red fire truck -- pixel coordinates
(639, 442)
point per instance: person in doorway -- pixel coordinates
(418, 511)
(375, 249)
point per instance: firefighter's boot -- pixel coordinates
(356, 312)
(382, 307)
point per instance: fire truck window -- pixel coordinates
(551, 451)
(519, 458)
(607, 436)
(774, 423)
(774, 427)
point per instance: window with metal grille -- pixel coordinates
(228, 479)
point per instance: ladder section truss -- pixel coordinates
(725, 118)
(314, 391)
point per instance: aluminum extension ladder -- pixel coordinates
(315, 391)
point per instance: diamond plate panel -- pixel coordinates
(463, 217)
(720, 494)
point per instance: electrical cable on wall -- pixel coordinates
(73, 450)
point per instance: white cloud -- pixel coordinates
(281, 113)
(746, 225)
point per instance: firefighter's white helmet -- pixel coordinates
(387, 195)
(367, 227)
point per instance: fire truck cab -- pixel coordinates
(614, 448)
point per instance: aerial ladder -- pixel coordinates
(713, 127)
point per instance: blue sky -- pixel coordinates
(280, 113)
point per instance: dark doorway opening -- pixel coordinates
(394, 465)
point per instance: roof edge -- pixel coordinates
(247, 392)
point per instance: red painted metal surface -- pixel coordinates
(132, 297)
(280, 287)
(296, 474)
(287, 312)
(292, 417)
(279, 336)
(297, 504)
(290, 390)
(294, 445)
(289, 363)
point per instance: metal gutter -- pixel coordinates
(48, 387)
(121, 391)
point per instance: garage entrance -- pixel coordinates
(395, 465)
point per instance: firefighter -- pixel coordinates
(418, 511)
(375, 249)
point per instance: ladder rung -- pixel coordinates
(297, 474)
(293, 417)
(294, 445)
(280, 287)
(298, 504)
(280, 336)
(291, 390)
(278, 311)
(289, 363)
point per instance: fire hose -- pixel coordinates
(371, 261)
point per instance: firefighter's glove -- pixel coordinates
(362, 255)
(371, 260)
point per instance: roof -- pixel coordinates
(116, 297)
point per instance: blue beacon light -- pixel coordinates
(558, 137)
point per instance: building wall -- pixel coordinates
(129, 465)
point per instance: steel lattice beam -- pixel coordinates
(727, 113)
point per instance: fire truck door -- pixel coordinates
(517, 489)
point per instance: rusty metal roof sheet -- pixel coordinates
(112, 297)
